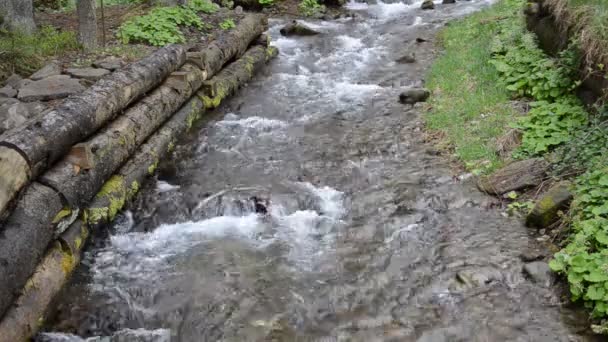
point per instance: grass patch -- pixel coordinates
(470, 105)
(24, 53)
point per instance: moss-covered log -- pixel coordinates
(235, 75)
(122, 186)
(232, 44)
(48, 138)
(25, 317)
(25, 236)
(112, 147)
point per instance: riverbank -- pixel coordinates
(498, 99)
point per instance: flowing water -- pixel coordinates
(309, 208)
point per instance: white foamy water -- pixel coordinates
(139, 256)
(255, 123)
(162, 186)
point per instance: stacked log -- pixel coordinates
(99, 167)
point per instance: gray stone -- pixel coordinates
(13, 115)
(515, 176)
(8, 92)
(51, 69)
(428, 5)
(414, 95)
(449, 2)
(91, 74)
(547, 208)
(24, 82)
(539, 272)
(13, 80)
(50, 88)
(238, 10)
(110, 63)
(407, 58)
(297, 29)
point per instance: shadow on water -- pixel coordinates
(309, 208)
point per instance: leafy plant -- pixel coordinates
(160, 26)
(266, 3)
(310, 7)
(227, 24)
(204, 6)
(549, 125)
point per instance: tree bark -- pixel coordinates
(17, 15)
(87, 24)
(24, 237)
(42, 141)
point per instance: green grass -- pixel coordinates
(597, 11)
(23, 53)
(470, 105)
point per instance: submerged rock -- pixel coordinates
(297, 29)
(515, 176)
(413, 96)
(50, 88)
(428, 5)
(546, 209)
(51, 69)
(407, 58)
(449, 2)
(539, 272)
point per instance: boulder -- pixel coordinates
(91, 74)
(50, 88)
(8, 91)
(13, 114)
(22, 83)
(297, 29)
(407, 58)
(449, 2)
(428, 5)
(546, 209)
(109, 63)
(13, 80)
(515, 176)
(414, 95)
(539, 272)
(51, 69)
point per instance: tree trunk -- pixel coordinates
(113, 146)
(17, 15)
(228, 81)
(87, 24)
(41, 142)
(24, 237)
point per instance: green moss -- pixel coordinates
(97, 215)
(171, 146)
(114, 193)
(153, 167)
(133, 189)
(65, 212)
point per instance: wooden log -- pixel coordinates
(46, 139)
(25, 236)
(113, 145)
(123, 186)
(14, 172)
(228, 81)
(232, 44)
(24, 318)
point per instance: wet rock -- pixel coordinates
(13, 80)
(8, 91)
(546, 209)
(238, 10)
(413, 96)
(50, 88)
(515, 176)
(539, 272)
(407, 58)
(530, 255)
(449, 2)
(91, 74)
(297, 29)
(421, 40)
(51, 69)
(427, 5)
(13, 115)
(109, 63)
(449, 334)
